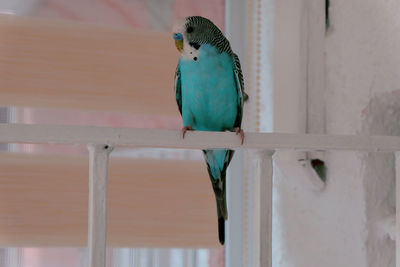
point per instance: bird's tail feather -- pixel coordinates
(222, 209)
(221, 230)
(220, 197)
(222, 212)
(219, 186)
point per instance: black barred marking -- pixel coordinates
(207, 33)
(194, 45)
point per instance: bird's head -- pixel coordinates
(194, 31)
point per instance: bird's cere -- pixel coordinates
(178, 36)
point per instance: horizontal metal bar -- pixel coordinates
(23, 133)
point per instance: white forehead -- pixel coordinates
(179, 26)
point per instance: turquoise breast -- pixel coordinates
(209, 94)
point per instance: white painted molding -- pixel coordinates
(24, 133)
(314, 38)
(235, 31)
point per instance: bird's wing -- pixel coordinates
(178, 88)
(242, 96)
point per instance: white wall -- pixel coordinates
(340, 225)
(363, 64)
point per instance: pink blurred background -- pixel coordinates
(153, 15)
(149, 14)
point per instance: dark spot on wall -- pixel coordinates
(327, 21)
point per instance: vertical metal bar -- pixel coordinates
(265, 172)
(397, 156)
(235, 199)
(98, 172)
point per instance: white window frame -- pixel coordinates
(101, 140)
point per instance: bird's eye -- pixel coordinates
(190, 29)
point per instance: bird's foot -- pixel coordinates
(238, 130)
(185, 129)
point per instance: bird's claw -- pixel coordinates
(185, 129)
(240, 131)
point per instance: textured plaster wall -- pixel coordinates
(380, 117)
(363, 59)
(363, 83)
(340, 225)
(322, 228)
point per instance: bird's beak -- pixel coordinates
(178, 41)
(179, 45)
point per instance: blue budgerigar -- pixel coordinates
(210, 95)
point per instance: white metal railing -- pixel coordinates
(101, 140)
